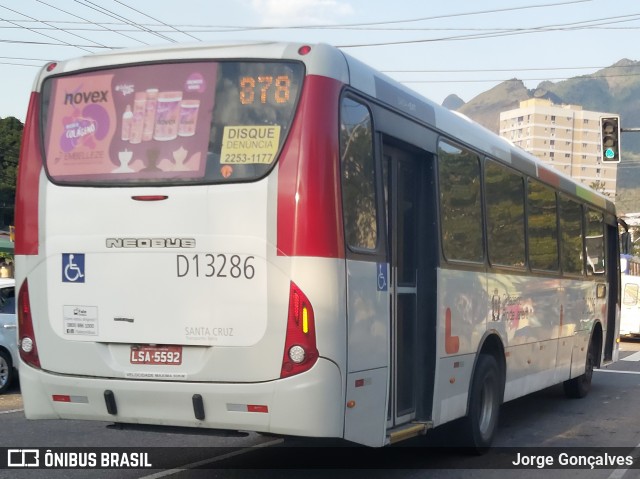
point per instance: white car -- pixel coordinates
(8, 334)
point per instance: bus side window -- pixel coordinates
(504, 195)
(571, 231)
(460, 203)
(542, 227)
(358, 176)
(594, 242)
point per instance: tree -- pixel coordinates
(10, 138)
(599, 186)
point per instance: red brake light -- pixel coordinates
(30, 166)
(300, 351)
(26, 336)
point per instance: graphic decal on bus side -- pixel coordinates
(73, 268)
(146, 122)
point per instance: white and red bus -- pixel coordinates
(630, 306)
(276, 237)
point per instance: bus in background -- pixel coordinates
(276, 237)
(630, 308)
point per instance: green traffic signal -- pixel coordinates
(610, 129)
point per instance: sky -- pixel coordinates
(461, 47)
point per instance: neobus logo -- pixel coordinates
(151, 243)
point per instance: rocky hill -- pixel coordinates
(615, 89)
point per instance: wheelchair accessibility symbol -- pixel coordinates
(72, 268)
(382, 276)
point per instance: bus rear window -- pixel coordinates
(168, 124)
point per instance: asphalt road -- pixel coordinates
(544, 423)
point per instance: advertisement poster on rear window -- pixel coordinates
(131, 124)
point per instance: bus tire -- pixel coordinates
(485, 398)
(579, 386)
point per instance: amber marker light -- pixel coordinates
(305, 320)
(226, 171)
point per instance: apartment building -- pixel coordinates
(564, 136)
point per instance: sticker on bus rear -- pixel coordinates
(80, 320)
(73, 268)
(245, 145)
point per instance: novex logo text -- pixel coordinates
(86, 97)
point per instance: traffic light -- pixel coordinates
(610, 129)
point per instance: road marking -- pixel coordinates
(9, 411)
(193, 465)
(632, 357)
(614, 371)
(620, 472)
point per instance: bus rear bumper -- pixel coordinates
(309, 404)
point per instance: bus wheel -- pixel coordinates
(484, 404)
(579, 387)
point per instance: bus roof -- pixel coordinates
(329, 61)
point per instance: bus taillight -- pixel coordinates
(26, 336)
(300, 352)
(28, 186)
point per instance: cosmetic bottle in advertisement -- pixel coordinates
(188, 117)
(127, 118)
(167, 115)
(150, 114)
(137, 124)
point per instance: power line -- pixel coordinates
(411, 20)
(104, 11)
(492, 33)
(227, 28)
(108, 12)
(582, 25)
(28, 59)
(65, 31)
(483, 70)
(103, 28)
(58, 44)
(489, 32)
(152, 18)
(586, 77)
(475, 80)
(187, 29)
(146, 28)
(480, 12)
(40, 33)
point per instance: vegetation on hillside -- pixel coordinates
(10, 137)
